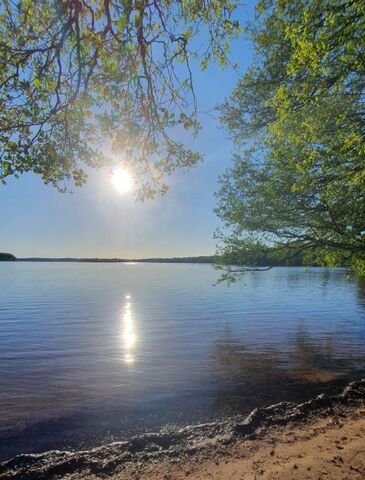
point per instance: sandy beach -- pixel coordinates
(323, 438)
(325, 448)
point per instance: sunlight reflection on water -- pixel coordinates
(129, 336)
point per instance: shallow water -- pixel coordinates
(91, 353)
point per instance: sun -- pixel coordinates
(122, 180)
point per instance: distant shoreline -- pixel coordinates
(200, 259)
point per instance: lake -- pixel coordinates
(92, 353)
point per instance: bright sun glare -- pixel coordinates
(122, 180)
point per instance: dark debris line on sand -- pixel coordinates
(111, 459)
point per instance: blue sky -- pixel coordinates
(37, 220)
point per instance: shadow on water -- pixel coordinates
(247, 378)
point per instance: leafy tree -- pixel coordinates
(297, 117)
(77, 73)
(7, 257)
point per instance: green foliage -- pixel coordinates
(7, 257)
(298, 120)
(77, 74)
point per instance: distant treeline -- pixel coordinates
(7, 257)
(200, 259)
(262, 257)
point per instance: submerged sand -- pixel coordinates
(323, 438)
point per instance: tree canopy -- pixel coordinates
(75, 74)
(297, 118)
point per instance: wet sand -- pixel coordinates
(320, 449)
(323, 438)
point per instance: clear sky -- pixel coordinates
(96, 221)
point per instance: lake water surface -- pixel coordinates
(91, 353)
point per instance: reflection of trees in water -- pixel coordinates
(360, 284)
(318, 360)
(248, 378)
